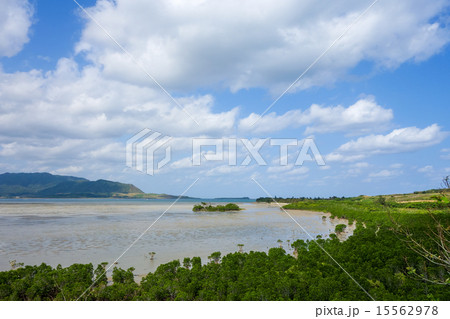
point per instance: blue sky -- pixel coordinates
(376, 104)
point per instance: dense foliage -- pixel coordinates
(379, 261)
(264, 200)
(203, 207)
(340, 228)
(379, 210)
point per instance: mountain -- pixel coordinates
(48, 185)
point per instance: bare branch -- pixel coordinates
(446, 182)
(437, 254)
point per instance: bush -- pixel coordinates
(340, 228)
(221, 208)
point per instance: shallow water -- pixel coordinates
(83, 231)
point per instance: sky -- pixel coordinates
(367, 83)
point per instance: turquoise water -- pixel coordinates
(62, 231)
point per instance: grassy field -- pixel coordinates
(417, 209)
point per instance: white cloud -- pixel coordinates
(270, 122)
(15, 21)
(257, 43)
(336, 157)
(361, 165)
(357, 168)
(69, 170)
(385, 173)
(185, 162)
(362, 117)
(74, 113)
(279, 169)
(298, 171)
(287, 172)
(86, 105)
(398, 141)
(40, 151)
(425, 169)
(228, 169)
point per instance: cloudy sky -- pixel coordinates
(373, 92)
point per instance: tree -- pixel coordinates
(434, 247)
(100, 275)
(215, 257)
(231, 207)
(187, 263)
(446, 182)
(438, 254)
(300, 247)
(14, 264)
(121, 276)
(381, 200)
(280, 243)
(340, 228)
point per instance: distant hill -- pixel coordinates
(54, 186)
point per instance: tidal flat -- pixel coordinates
(94, 231)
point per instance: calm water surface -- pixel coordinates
(83, 231)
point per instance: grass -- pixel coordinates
(382, 210)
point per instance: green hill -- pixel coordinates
(48, 185)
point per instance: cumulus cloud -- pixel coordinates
(74, 114)
(398, 141)
(258, 43)
(74, 103)
(15, 21)
(362, 117)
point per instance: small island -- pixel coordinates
(203, 207)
